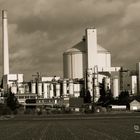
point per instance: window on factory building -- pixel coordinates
(21, 97)
(26, 97)
(32, 97)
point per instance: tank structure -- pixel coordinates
(71, 88)
(72, 57)
(64, 88)
(39, 89)
(96, 84)
(58, 90)
(45, 90)
(115, 87)
(133, 84)
(33, 87)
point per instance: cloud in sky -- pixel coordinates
(41, 30)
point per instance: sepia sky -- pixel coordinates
(41, 30)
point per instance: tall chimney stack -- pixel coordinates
(5, 43)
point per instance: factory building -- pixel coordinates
(86, 66)
(87, 59)
(45, 88)
(135, 105)
(75, 59)
(11, 81)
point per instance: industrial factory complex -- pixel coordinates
(88, 76)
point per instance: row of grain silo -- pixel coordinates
(64, 88)
(45, 90)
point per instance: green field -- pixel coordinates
(70, 128)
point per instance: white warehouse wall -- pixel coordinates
(104, 59)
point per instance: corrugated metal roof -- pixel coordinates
(101, 49)
(135, 102)
(81, 47)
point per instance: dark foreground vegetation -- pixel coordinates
(84, 104)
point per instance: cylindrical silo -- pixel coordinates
(64, 88)
(77, 89)
(71, 88)
(96, 84)
(74, 61)
(51, 91)
(39, 89)
(33, 87)
(48, 90)
(45, 90)
(57, 90)
(134, 84)
(115, 86)
(27, 89)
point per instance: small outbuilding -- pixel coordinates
(135, 105)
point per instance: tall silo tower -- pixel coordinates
(86, 54)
